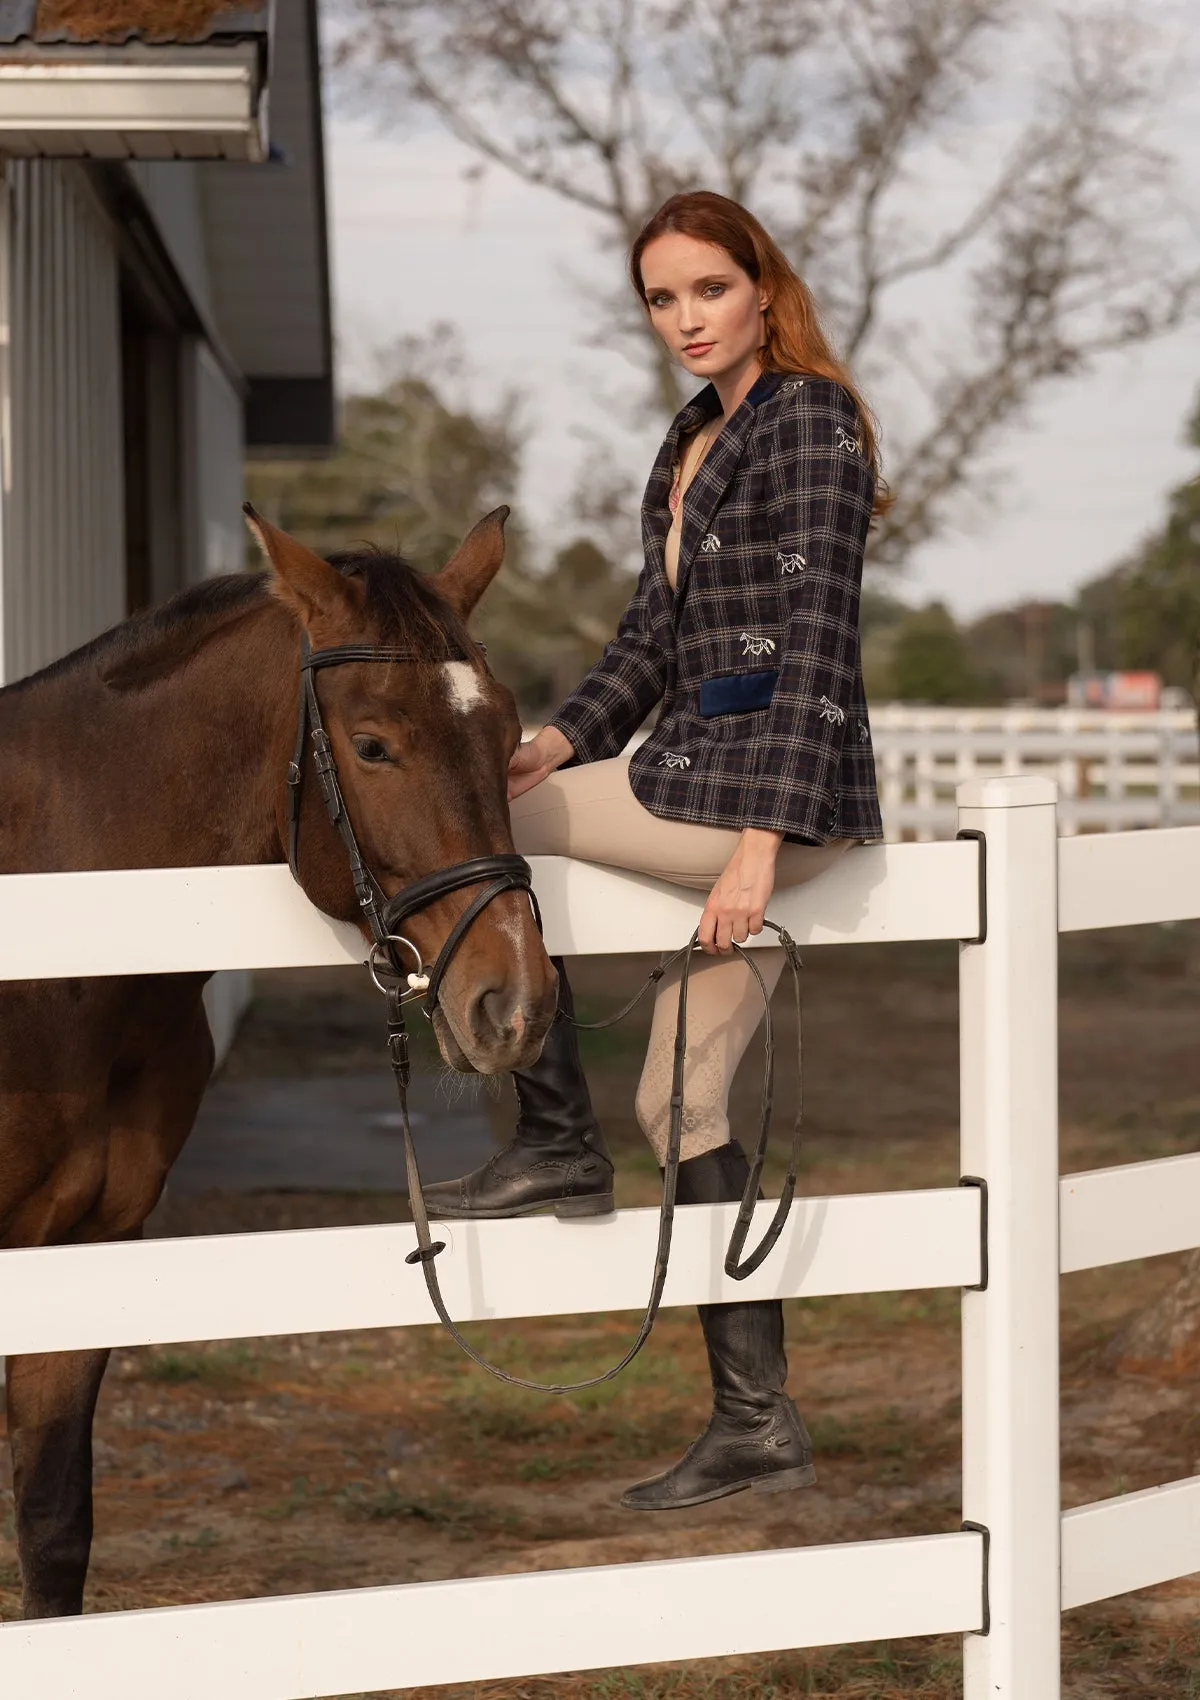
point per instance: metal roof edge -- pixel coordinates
(19, 23)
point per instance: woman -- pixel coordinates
(743, 630)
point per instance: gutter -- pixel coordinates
(183, 103)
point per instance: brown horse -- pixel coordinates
(166, 743)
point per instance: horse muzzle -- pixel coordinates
(494, 1029)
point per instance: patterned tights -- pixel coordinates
(724, 1010)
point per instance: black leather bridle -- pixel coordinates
(386, 915)
(498, 874)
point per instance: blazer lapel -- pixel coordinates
(656, 511)
(712, 476)
(703, 493)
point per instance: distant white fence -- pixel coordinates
(1002, 1236)
(1113, 771)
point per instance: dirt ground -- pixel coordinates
(283, 1465)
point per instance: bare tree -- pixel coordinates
(844, 123)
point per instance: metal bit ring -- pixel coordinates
(377, 962)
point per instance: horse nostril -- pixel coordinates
(500, 1013)
(504, 1018)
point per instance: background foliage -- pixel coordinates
(417, 465)
(415, 468)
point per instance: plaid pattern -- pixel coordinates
(770, 562)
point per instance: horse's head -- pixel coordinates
(422, 749)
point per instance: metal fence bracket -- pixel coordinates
(981, 839)
(979, 1286)
(982, 1529)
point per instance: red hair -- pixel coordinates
(795, 339)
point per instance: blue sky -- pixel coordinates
(1076, 484)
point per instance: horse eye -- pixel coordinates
(369, 749)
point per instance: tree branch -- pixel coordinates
(1064, 252)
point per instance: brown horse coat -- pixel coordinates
(164, 744)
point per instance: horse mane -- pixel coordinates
(404, 605)
(399, 602)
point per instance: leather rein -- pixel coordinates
(499, 874)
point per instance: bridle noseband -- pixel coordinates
(386, 915)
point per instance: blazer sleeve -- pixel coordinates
(822, 487)
(607, 707)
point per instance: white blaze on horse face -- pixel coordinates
(462, 683)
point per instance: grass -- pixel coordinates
(559, 1349)
(884, 1434)
(361, 1502)
(545, 1467)
(216, 1366)
(201, 1541)
(856, 1314)
(439, 1509)
(301, 1497)
(1100, 1640)
(514, 1432)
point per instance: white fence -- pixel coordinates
(1001, 1580)
(1113, 771)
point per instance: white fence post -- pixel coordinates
(1009, 1087)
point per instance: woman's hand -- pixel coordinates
(738, 901)
(537, 760)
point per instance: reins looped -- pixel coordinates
(499, 874)
(428, 1248)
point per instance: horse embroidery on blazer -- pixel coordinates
(791, 563)
(675, 762)
(863, 734)
(711, 542)
(752, 645)
(845, 441)
(830, 711)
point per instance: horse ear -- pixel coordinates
(299, 578)
(474, 564)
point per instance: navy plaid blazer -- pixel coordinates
(755, 657)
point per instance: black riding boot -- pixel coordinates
(755, 1437)
(558, 1157)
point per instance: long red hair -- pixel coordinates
(795, 338)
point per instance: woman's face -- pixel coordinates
(706, 309)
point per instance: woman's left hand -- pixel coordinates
(737, 903)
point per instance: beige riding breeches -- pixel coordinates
(590, 812)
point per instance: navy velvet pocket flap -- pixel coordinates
(737, 693)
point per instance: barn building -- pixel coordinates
(164, 298)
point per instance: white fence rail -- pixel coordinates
(436, 1632)
(1114, 771)
(1001, 1581)
(315, 1280)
